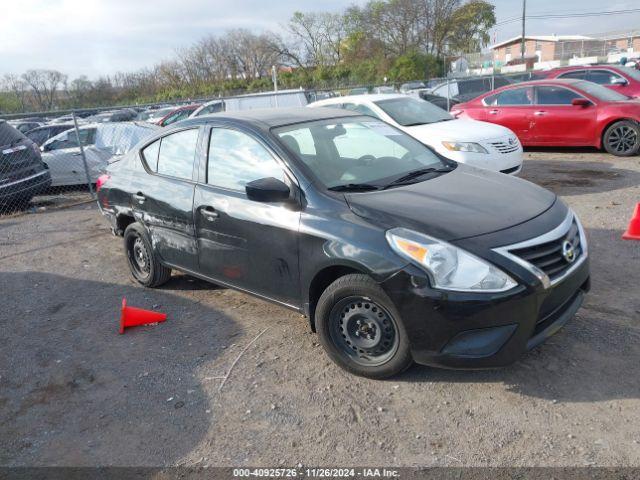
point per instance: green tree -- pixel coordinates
(470, 26)
(414, 66)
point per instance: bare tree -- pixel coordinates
(18, 87)
(316, 38)
(44, 86)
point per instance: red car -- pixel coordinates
(561, 113)
(178, 114)
(621, 79)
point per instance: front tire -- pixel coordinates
(143, 261)
(622, 138)
(361, 329)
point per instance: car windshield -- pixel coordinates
(357, 152)
(631, 72)
(411, 111)
(601, 93)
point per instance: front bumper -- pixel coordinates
(471, 330)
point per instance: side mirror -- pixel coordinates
(619, 81)
(580, 102)
(267, 190)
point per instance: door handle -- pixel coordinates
(209, 213)
(139, 197)
(540, 113)
(493, 112)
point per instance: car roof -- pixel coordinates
(267, 118)
(279, 93)
(374, 97)
(533, 83)
(585, 67)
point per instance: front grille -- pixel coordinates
(510, 170)
(550, 256)
(505, 147)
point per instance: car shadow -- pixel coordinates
(75, 392)
(184, 282)
(567, 177)
(595, 357)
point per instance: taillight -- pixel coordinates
(102, 179)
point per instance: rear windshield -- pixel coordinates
(9, 135)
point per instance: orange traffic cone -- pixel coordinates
(633, 232)
(131, 316)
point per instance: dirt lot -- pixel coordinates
(74, 392)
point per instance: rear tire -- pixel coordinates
(361, 329)
(622, 139)
(143, 261)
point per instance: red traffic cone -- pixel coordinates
(131, 316)
(633, 232)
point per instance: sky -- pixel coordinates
(97, 37)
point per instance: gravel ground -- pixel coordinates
(200, 389)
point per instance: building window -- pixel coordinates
(538, 45)
(508, 50)
(630, 43)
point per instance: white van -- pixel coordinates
(281, 99)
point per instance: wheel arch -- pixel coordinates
(608, 124)
(123, 220)
(324, 277)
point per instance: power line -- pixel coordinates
(569, 15)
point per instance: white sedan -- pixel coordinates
(480, 144)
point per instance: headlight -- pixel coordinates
(449, 267)
(464, 147)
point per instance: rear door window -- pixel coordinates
(579, 74)
(177, 154)
(516, 96)
(150, 155)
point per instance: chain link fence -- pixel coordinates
(50, 163)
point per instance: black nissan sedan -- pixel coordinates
(395, 254)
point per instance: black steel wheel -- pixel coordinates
(361, 329)
(143, 261)
(364, 330)
(622, 138)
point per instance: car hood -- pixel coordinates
(466, 202)
(461, 130)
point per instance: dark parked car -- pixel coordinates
(437, 100)
(394, 253)
(23, 126)
(41, 134)
(22, 172)
(465, 89)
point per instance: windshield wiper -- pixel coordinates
(412, 176)
(363, 187)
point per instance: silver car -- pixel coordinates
(102, 143)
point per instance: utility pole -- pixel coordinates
(524, 14)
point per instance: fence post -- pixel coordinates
(84, 157)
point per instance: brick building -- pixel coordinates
(544, 47)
